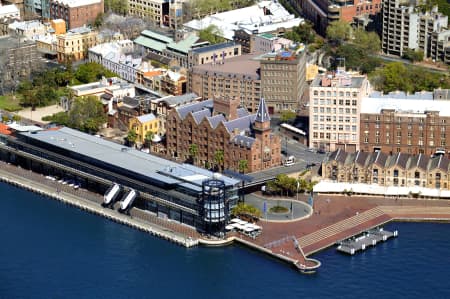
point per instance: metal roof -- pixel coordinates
(147, 165)
(215, 47)
(146, 118)
(150, 43)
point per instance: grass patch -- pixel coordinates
(9, 103)
(278, 209)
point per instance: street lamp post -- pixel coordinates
(285, 145)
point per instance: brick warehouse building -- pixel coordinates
(219, 125)
(416, 124)
(76, 13)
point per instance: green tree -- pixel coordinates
(193, 152)
(148, 139)
(219, 159)
(212, 34)
(246, 209)
(368, 41)
(117, 6)
(283, 184)
(87, 114)
(132, 137)
(243, 165)
(287, 115)
(413, 55)
(304, 33)
(339, 31)
(91, 72)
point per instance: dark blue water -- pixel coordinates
(49, 250)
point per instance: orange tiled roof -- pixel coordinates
(4, 129)
(152, 73)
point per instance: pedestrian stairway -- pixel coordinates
(340, 227)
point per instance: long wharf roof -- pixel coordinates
(153, 167)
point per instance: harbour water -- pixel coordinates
(50, 250)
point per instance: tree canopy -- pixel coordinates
(86, 115)
(359, 51)
(91, 72)
(118, 6)
(212, 34)
(339, 31)
(304, 33)
(397, 76)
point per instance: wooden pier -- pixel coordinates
(364, 241)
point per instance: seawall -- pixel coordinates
(95, 208)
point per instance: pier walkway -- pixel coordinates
(90, 202)
(343, 229)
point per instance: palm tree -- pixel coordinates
(148, 139)
(243, 165)
(218, 158)
(193, 151)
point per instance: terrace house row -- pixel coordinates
(399, 169)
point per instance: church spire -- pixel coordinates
(262, 114)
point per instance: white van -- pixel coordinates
(289, 161)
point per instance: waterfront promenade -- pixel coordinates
(333, 218)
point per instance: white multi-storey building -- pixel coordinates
(335, 103)
(406, 27)
(116, 57)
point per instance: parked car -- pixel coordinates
(321, 151)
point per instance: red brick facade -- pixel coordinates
(77, 16)
(256, 144)
(392, 132)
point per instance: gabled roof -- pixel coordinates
(216, 120)
(362, 158)
(399, 159)
(243, 140)
(199, 115)
(439, 163)
(184, 110)
(262, 114)
(241, 112)
(379, 158)
(338, 155)
(241, 123)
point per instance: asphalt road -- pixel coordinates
(291, 148)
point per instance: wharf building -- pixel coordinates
(410, 123)
(405, 27)
(334, 110)
(378, 168)
(179, 192)
(224, 135)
